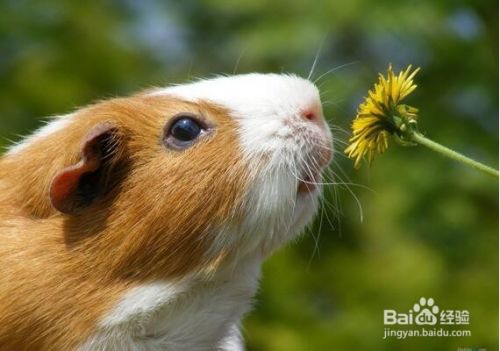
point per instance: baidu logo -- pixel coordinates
(426, 312)
(425, 319)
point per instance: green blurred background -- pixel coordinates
(430, 226)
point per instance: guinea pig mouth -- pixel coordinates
(308, 183)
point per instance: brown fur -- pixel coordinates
(61, 273)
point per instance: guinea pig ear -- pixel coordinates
(77, 186)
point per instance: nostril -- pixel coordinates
(309, 115)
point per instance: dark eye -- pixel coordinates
(185, 129)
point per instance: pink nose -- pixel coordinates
(314, 114)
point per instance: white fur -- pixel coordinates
(261, 103)
(51, 126)
(140, 301)
(194, 314)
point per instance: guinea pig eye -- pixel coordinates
(183, 131)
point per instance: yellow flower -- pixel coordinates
(381, 115)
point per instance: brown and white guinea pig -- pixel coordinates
(141, 223)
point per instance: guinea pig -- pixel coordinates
(141, 223)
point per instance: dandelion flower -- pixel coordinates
(382, 115)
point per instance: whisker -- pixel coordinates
(313, 67)
(347, 185)
(324, 202)
(335, 69)
(237, 64)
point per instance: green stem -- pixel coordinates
(419, 138)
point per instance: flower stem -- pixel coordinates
(419, 138)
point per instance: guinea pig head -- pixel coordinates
(284, 144)
(176, 180)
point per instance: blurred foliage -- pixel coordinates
(430, 226)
